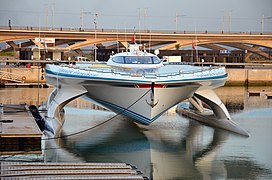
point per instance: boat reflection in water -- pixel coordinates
(173, 147)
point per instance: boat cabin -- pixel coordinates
(135, 59)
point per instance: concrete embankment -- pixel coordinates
(251, 77)
(237, 77)
(28, 75)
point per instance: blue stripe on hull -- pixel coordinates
(135, 116)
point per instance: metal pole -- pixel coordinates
(263, 18)
(176, 19)
(229, 21)
(95, 27)
(223, 21)
(46, 16)
(262, 23)
(53, 9)
(39, 65)
(145, 17)
(81, 18)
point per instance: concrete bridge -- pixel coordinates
(75, 39)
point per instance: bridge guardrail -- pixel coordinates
(74, 29)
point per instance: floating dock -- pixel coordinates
(19, 133)
(34, 170)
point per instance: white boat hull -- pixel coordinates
(136, 102)
(134, 97)
(141, 88)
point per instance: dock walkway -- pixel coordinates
(34, 170)
(19, 133)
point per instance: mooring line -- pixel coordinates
(88, 129)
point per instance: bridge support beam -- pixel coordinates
(13, 45)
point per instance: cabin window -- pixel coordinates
(118, 59)
(142, 60)
(156, 60)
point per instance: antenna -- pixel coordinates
(149, 39)
(196, 45)
(133, 40)
(95, 28)
(117, 39)
(126, 38)
(140, 25)
(39, 63)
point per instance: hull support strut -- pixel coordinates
(220, 118)
(58, 98)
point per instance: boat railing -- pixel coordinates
(200, 72)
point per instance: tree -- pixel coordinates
(177, 46)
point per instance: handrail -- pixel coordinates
(199, 72)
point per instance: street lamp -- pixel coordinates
(230, 11)
(82, 18)
(53, 9)
(223, 20)
(262, 22)
(176, 19)
(145, 18)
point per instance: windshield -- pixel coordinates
(136, 59)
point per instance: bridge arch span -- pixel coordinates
(165, 40)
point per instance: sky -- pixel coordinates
(170, 15)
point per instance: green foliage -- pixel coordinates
(177, 46)
(10, 53)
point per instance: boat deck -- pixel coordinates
(167, 73)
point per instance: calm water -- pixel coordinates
(173, 147)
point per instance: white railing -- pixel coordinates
(200, 72)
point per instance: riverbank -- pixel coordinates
(236, 76)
